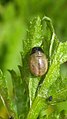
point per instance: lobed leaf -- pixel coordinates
(41, 33)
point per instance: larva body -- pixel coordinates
(38, 62)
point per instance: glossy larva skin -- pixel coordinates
(38, 63)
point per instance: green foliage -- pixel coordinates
(30, 94)
(23, 95)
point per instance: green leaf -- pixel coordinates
(34, 35)
(41, 33)
(3, 88)
(34, 39)
(5, 98)
(53, 73)
(50, 40)
(20, 95)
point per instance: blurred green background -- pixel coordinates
(14, 20)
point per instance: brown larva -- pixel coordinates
(38, 62)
